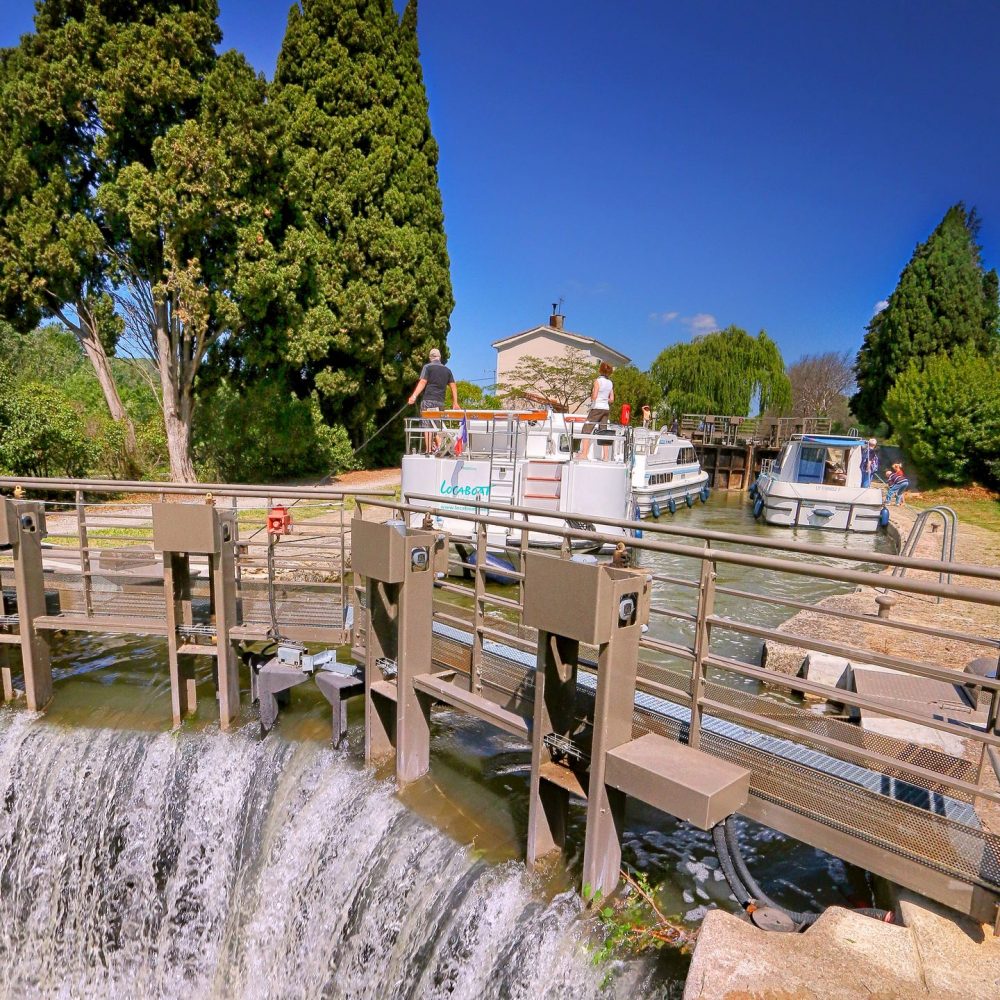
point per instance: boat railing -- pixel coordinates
(509, 435)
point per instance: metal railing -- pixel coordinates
(681, 670)
(99, 552)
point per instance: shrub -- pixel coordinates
(265, 435)
(946, 415)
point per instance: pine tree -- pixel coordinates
(362, 198)
(944, 300)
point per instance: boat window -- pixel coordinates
(835, 467)
(776, 468)
(686, 455)
(812, 461)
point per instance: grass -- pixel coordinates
(974, 505)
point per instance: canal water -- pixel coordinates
(138, 862)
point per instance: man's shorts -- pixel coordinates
(424, 407)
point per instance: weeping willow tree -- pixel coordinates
(723, 372)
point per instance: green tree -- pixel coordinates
(475, 397)
(54, 259)
(40, 431)
(944, 300)
(152, 196)
(636, 388)
(946, 416)
(723, 373)
(365, 214)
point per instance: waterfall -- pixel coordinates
(209, 865)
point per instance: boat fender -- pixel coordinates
(822, 512)
(704, 494)
(672, 505)
(753, 489)
(883, 517)
(758, 507)
(689, 499)
(636, 516)
(655, 509)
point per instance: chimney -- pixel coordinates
(557, 319)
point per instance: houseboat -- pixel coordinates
(666, 473)
(458, 460)
(816, 482)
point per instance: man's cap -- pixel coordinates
(872, 441)
(435, 354)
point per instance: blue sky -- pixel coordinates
(668, 167)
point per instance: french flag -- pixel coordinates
(463, 437)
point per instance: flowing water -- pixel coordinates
(138, 862)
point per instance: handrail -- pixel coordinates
(648, 527)
(57, 484)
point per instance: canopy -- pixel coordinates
(829, 441)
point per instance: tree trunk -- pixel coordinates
(179, 446)
(90, 341)
(177, 403)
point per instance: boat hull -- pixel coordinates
(813, 505)
(644, 497)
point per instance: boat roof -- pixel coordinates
(834, 440)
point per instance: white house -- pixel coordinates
(550, 340)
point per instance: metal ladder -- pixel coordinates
(949, 538)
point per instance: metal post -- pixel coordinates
(554, 713)
(27, 528)
(617, 667)
(399, 570)
(177, 596)
(223, 584)
(476, 661)
(702, 643)
(81, 524)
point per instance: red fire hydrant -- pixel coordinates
(279, 521)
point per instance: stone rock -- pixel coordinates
(844, 955)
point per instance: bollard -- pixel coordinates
(398, 567)
(22, 527)
(180, 531)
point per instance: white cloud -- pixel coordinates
(701, 323)
(880, 305)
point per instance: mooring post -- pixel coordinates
(397, 565)
(570, 603)
(180, 531)
(22, 527)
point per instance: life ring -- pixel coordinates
(672, 505)
(704, 494)
(758, 507)
(654, 508)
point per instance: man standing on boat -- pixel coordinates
(435, 378)
(869, 462)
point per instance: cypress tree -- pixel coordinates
(363, 206)
(944, 300)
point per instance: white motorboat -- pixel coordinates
(666, 473)
(524, 458)
(816, 482)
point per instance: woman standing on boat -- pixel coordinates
(601, 398)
